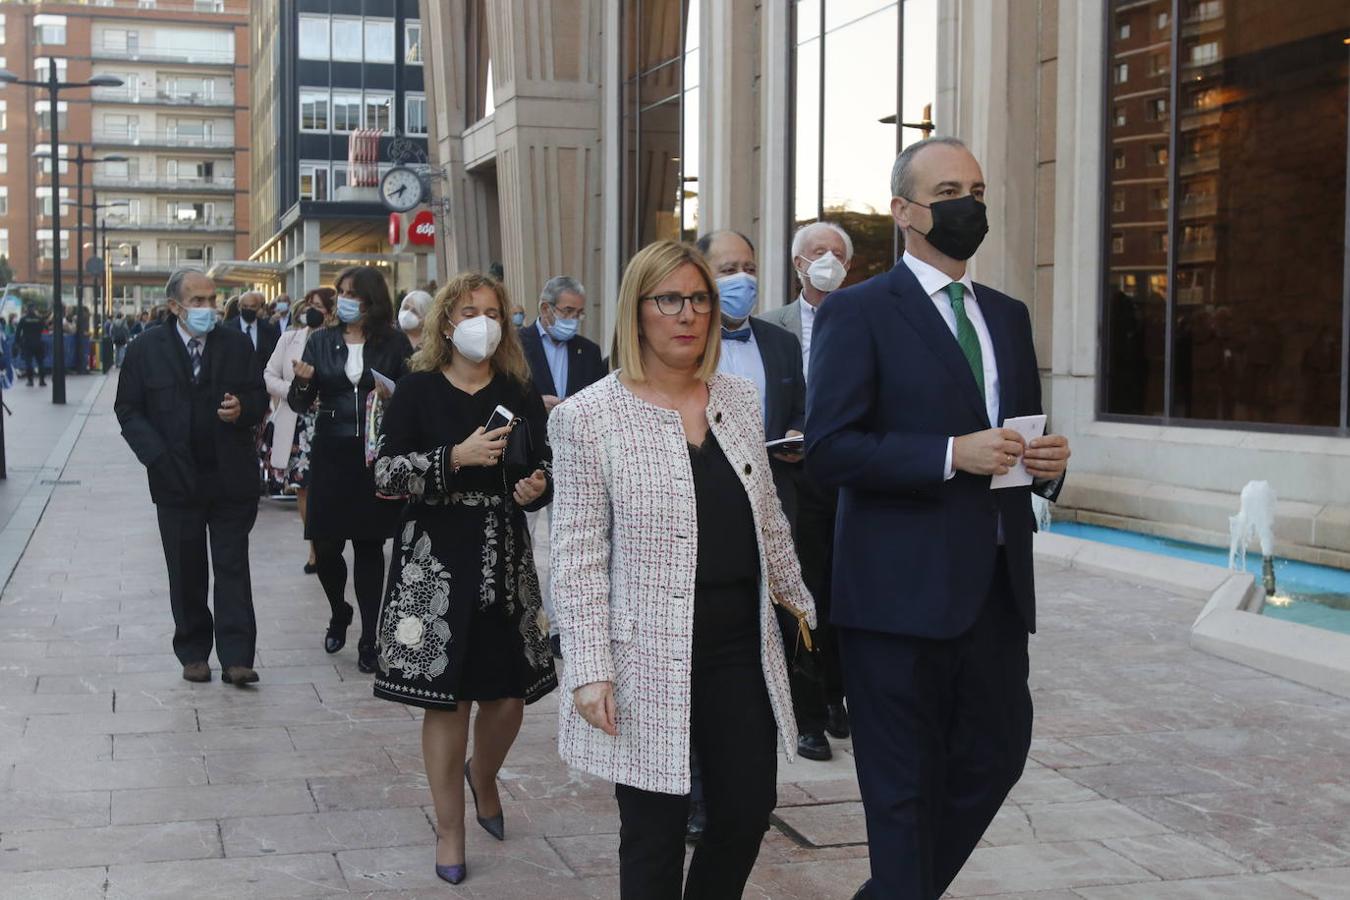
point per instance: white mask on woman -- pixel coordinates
(477, 338)
(409, 320)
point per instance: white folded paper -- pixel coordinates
(1030, 428)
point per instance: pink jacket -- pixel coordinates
(278, 374)
(624, 555)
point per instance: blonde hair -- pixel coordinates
(437, 351)
(652, 265)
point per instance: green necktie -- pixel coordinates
(965, 333)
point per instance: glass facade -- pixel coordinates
(1225, 297)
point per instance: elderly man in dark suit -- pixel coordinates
(188, 399)
(913, 374)
(262, 334)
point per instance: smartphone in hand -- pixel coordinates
(501, 416)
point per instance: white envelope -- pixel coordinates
(1029, 427)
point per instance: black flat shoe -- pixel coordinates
(496, 825)
(814, 746)
(367, 659)
(836, 721)
(336, 637)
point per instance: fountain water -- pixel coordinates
(1255, 518)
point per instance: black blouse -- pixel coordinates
(726, 582)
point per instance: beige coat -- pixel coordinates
(624, 557)
(278, 375)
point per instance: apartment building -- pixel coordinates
(179, 123)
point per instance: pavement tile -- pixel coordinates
(384, 791)
(244, 768)
(32, 850)
(1317, 882)
(517, 861)
(115, 775)
(370, 733)
(33, 811)
(65, 884)
(300, 876)
(197, 743)
(1044, 867)
(120, 723)
(1241, 887)
(30, 747)
(328, 832)
(211, 801)
(826, 824)
(1088, 820)
(1175, 857)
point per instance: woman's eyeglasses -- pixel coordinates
(673, 304)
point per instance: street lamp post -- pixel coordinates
(54, 85)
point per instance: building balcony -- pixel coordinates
(166, 184)
(1199, 206)
(144, 266)
(162, 139)
(1197, 251)
(159, 97)
(1194, 163)
(170, 223)
(189, 55)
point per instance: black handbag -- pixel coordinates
(519, 452)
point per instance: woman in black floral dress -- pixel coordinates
(462, 620)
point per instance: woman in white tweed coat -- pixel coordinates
(669, 544)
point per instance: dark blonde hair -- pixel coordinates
(437, 350)
(652, 265)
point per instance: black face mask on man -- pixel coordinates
(248, 315)
(959, 225)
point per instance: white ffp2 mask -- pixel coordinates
(477, 338)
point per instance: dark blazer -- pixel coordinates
(784, 402)
(268, 335)
(914, 554)
(154, 408)
(342, 407)
(584, 366)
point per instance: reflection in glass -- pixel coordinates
(1135, 313)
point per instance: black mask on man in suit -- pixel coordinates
(248, 315)
(959, 225)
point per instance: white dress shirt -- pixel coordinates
(743, 358)
(556, 354)
(250, 329)
(934, 283)
(808, 313)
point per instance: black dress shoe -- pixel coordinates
(836, 721)
(336, 637)
(698, 821)
(814, 746)
(366, 659)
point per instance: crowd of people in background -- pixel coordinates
(734, 536)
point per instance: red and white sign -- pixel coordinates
(395, 224)
(423, 229)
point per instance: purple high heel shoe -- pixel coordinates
(453, 874)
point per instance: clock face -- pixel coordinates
(401, 189)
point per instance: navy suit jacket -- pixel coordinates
(584, 366)
(784, 401)
(914, 553)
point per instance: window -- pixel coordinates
(42, 68)
(1117, 242)
(118, 125)
(314, 181)
(1120, 116)
(43, 195)
(1158, 198)
(4, 158)
(44, 239)
(2, 28)
(313, 109)
(412, 43)
(379, 40)
(62, 154)
(1158, 64)
(122, 41)
(346, 111)
(116, 171)
(346, 39)
(1205, 54)
(1120, 159)
(1160, 241)
(208, 5)
(4, 232)
(4, 116)
(415, 114)
(1118, 201)
(379, 112)
(1157, 109)
(313, 37)
(1163, 19)
(1123, 31)
(4, 200)
(50, 29)
(1122, 73)
(43, 110)
(339, 177)
(1158, 153)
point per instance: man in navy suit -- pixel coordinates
(260, 332)
(913, 371)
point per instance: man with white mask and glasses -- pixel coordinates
(821, 255)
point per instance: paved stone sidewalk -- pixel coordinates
(1157, 771)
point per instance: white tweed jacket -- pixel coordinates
(624, 555)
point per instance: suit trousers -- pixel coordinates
(813, 688)
(941, 731)
(185, 531)
(733, 731)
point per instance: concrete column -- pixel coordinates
(729, 100)
(310, 272)
(774, 175)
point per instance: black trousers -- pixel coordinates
(941, 731)
(814, 535)
(736, 739)
(34, 363)
(185, 532)
(367, 579)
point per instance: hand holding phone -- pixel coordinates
(482, 448)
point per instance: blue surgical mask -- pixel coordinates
(518, 319)
(563, 330)
(348, 309)
(738, 293)
(199, 320)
